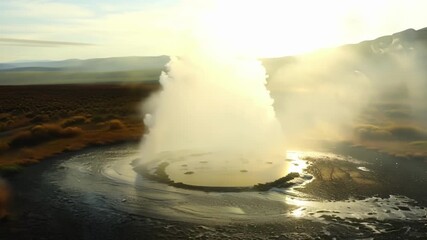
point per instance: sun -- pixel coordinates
(272, 28)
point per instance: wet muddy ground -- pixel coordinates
(93, 195)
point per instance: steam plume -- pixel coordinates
(213, 103)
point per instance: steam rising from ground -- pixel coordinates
(373, 93)
(316, 96)
(213, 103)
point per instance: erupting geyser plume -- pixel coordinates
(214, 116)
(214, 104)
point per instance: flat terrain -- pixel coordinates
(37, 122)
(41, 121)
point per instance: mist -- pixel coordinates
(317, 97)
(212, 103)
(372, 94)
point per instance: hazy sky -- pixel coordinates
(62, 29)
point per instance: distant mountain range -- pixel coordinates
(134, 69)
(113, 64)
(97, 70)
(370, 50)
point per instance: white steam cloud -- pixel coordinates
(213, 103)
(317, 97)
(372, 93)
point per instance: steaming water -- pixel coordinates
(220, 107)
(221, 169)
(105, 179)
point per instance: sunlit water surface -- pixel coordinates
(106, 179)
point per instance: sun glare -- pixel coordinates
(272, 28)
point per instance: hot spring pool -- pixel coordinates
(104, 180)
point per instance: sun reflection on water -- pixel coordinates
(298, 165)
(298, 212)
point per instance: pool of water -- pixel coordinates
(105, 178)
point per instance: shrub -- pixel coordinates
(76, 120)
(43, 133)
(70, 132)
(116, 124)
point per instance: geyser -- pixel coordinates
(213, 123)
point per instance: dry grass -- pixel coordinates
(42, 133)
(51, 120)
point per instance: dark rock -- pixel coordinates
(279, 183)
(403, 208)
